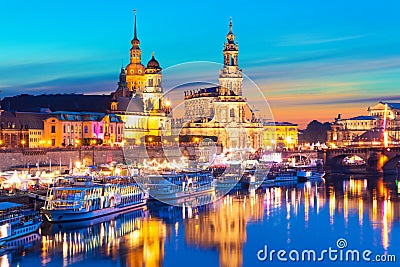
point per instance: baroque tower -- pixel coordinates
(230, 77)
(135, 69)
(153, 93)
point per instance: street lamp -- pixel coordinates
(23, 142)
(94, 142)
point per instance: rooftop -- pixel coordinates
(9, 205)
(277, 123)
(56, 102)
(363, 118)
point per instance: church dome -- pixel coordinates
(153, 63)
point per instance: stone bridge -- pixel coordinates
(376, 159)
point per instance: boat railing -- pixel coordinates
(65, 204)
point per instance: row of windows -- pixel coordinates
(360, 123)
(35, 132)
(68, 129)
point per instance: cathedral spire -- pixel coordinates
(230, 25)
(134, 28)
(135, 41)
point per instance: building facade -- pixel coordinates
(280, 135)
(139, 98)
(383, 119)
(222, 111)
(13, 134)
(79, 128)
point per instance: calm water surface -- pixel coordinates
(365, 211)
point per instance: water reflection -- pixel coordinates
(132, 239)
(224, 226)
(361, 209)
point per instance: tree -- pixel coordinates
(315, 132)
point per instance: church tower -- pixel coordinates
(230, 77)
(153, 92)
(135, 69)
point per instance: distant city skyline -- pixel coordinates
(311, 60)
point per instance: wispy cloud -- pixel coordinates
(307, 39)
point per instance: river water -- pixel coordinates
(347, 216)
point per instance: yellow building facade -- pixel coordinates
(279, 135)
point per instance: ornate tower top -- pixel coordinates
(231, 48)
(153, 66)
(230, 36)
(230, 77)
(135, 41)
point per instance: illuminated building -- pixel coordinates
(222, 111)
(63, 128)
(12, 132)
(382, 119)
(280, 135)
(135, 70)
(139, 98)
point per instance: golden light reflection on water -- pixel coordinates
(225, 228)
(136, 241)
(222, 225)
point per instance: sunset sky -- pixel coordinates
(311, 59)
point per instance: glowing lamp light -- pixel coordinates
(4, 230)
(78, 164)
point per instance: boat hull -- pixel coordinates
(22, 231)
(57, 216)
(179, 195)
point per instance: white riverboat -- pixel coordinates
(81, 199)
(16, 222)
(174, 186)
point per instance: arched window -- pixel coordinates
(232, 113)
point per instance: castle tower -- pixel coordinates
(230, 77)
(122, 90)
(135, 69)
(153, 92)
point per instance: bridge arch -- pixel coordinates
(338, 160)
(390, 167)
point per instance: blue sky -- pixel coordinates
(311, 59)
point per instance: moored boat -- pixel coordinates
(173, 186)
(86, 200)
(16, 222)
